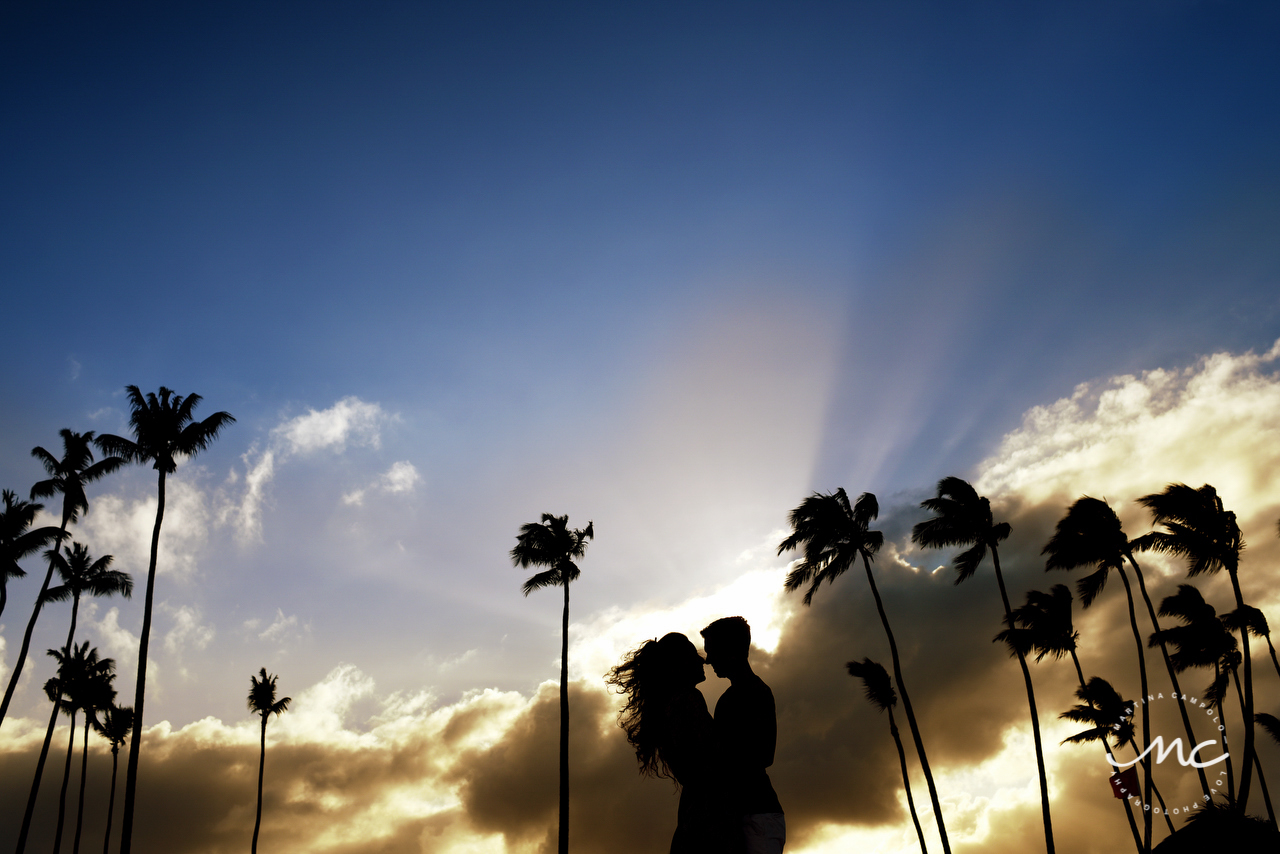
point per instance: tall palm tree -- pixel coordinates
(1090, 534)
(1044, 625)
(262, 700)
(879, 691)
(81, 574)
(17, 540)
(72, 663)
(163, 430)
(115, 725)
(1199, 528)
(553, 544)
(67, 477)
(963, 518)
(79, 691)
(95, 694)
(832, 534)
(1199, 640)
(1110, 719)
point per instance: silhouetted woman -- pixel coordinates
(666, 720)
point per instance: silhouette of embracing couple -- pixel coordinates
(727, 804)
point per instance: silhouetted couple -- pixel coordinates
(727, 804)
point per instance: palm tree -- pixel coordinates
(553, 544)
(879, 690)
(1199, 528)
(79, 691)
(1110, 718)
(72, 663)
(67, 476)
(1090, 535)
(1044, 625)
(163, 430)
(115, 725)
(95, 695)
(963, 518)
(832, 535)
(80, 574)
(262, 700)
(1200, 640)
(17, 540)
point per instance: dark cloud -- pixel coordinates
(415, 778)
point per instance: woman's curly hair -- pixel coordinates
(647, 678)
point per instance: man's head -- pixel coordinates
(727, 642)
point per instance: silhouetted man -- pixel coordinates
(746, 726)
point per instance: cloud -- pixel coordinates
(123, 527)
(188, 631)
(282, 628)
(402, 477)
(479, 774)
(350, 421)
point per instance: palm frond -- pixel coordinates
(875, 683)
(1249, 618)
(1093, 734)
(966, 563)
(1019, 641)
(1270, 723)
(1088, 535)
(830, 533)
(546, 578)
(1091, 585)
(1218, 688)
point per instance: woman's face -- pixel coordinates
(687, 666)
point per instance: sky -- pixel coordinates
(669, 268)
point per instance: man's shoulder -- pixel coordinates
(751, 691)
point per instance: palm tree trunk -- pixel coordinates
(66, 776)
(48, 736)
(135, 741)
(31, 626)
(1246, 771)
(1257, 762)
(84, 771)
(906, 781)
(911, 715)
(111, 802)
(1164, 810)
(1168, 665)
(1031, 703)
(564, 726)
(1154, 789)
(1266, 794)
(1146, 715)
(1273, 654)
(1124, 802)
(1222, 723)
(262, 761)
(35, 783)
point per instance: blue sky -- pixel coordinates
(668, 267)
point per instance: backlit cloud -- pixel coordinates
(350, 768)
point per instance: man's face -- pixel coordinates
(712, 658)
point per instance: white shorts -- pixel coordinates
(765, 832)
